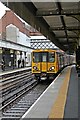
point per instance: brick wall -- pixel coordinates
(11, 18)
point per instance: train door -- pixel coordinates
(36, 62)
(57, 62)
(51, 62)
(44, 61)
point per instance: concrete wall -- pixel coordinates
(11, 18)
(23, 39)
(13, 34)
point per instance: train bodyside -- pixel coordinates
(78, 59)
(46, 63)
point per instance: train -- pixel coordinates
(46, 63)
(78, 60)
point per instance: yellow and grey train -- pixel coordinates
(47, 62)
(78, 60)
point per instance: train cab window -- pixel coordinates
(36, 57)
(51, 57)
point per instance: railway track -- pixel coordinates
(18, 109)
(12, 86)
(18, 92)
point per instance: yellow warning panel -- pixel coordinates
(57, 110)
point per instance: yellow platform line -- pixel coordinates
(57, 110)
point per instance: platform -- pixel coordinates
(59, 100)
(14, 70)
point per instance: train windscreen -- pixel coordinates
(51, 57)
(43, 56)
(36, 57)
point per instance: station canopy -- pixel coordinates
(63, 19)
(57, 20)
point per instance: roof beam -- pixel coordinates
(68, 37)
(41, 13)
(67, 28)
(70, 42)
(58, 4)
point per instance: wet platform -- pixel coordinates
(59, 100)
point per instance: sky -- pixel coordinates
(2, 9)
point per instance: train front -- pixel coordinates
(44, 64)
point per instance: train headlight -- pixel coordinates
(52, 68)
(35, 68)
